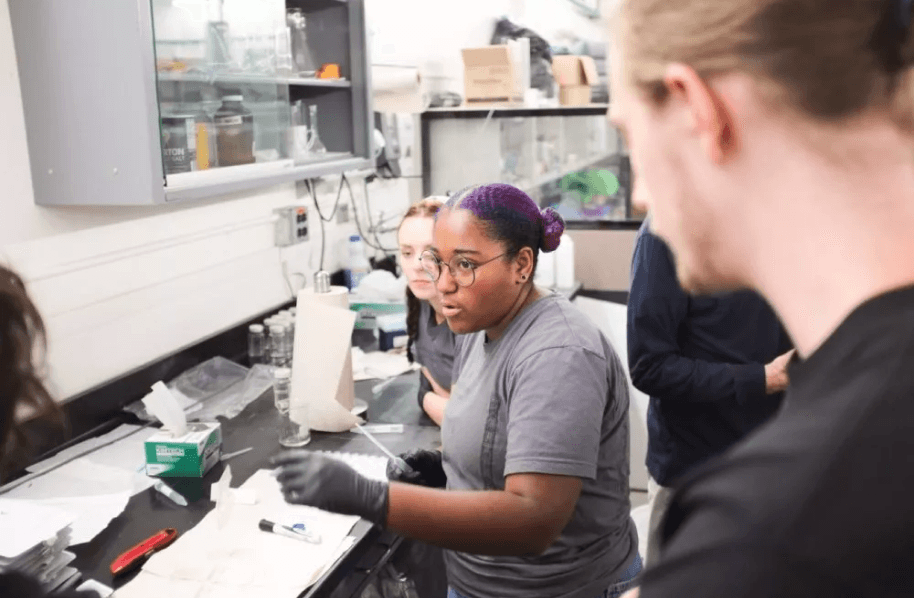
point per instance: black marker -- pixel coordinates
(285, 530)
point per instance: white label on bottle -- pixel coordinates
(229, 120)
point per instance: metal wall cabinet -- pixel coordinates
(102, 81)
(569, 158)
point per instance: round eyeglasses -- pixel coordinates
(463, 271)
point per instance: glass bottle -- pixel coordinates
(234, 132)
(268, 342)
(278, 344)
(290, 338)
(284, 66)
(205, 132)
(303, 61)
(317, 146)
(294, 429)
(256, 342)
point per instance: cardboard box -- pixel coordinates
(575, 76)
(187, 456)
(490, 77)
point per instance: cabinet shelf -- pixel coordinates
(249, 79)
(204, 183)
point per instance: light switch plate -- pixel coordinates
(291, 225)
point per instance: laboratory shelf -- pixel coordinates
(249, 79)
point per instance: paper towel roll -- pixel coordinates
(397, 89)
(322, 365)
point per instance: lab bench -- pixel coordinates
(256, 426)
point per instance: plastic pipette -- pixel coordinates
(400, 463)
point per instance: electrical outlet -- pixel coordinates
(342, 214)
(291, 225)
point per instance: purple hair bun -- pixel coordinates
(511, 215)
(553, 227)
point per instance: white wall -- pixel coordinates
(120, 287)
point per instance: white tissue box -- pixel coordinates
(187, 456)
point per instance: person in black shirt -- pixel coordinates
(702, 361)
(21, 330)
(775, 139)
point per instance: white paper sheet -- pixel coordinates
(379, 364)
(93, 513)
(240, 560)
(93, 493)
(81, 478)
(26, 524)
(125, 452)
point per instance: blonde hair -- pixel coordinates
(827, 59)
(426, 208)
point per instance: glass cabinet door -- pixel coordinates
(251, 87)
(575, 163)
(221, 104)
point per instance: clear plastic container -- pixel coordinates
(294, 430)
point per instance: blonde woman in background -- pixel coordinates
(775, 140)
(431, 342)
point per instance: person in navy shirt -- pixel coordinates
(702, 361)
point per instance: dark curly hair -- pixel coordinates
(21, 387)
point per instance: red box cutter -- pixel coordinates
(132, 558)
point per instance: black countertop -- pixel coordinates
(256, 426)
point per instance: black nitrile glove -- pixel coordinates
(426, 469)
(326, 483)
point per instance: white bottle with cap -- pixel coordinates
(564, 263)
(545, 270)
(359, 266)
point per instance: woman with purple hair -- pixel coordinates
(530, 493)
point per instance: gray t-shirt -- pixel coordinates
(433, 348)
(550, 396)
